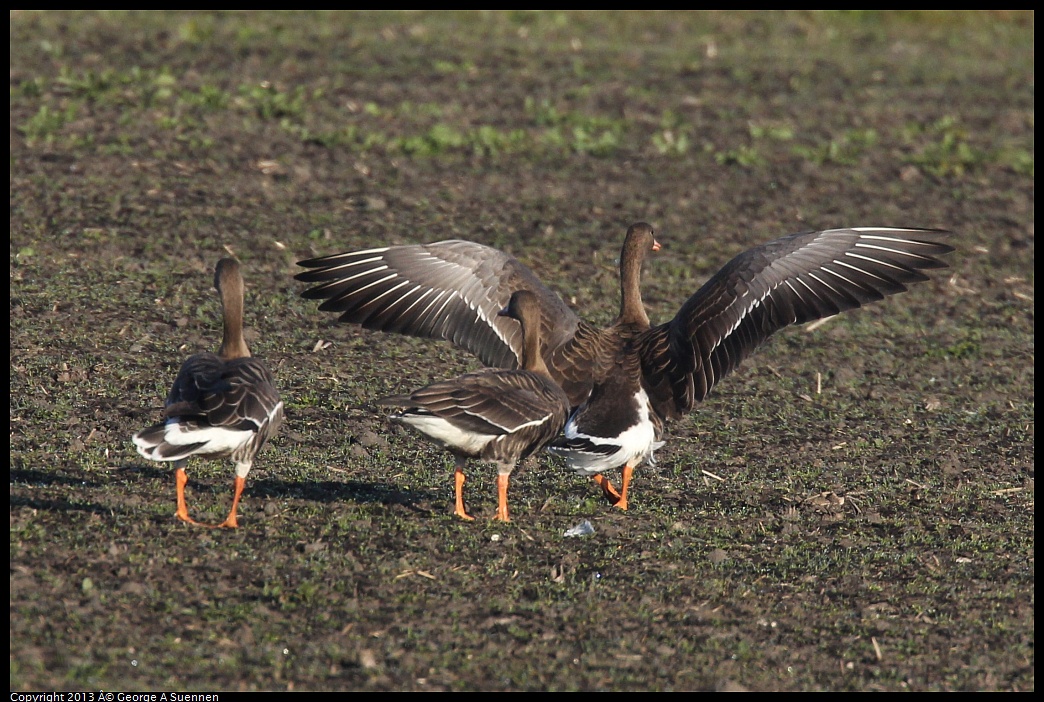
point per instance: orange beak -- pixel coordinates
(656, 245)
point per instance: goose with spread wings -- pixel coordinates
(626, 380)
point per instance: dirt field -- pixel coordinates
(852, 510)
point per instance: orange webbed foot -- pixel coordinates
(180, 481)
(502, 508)
(230, 521)
(607, 487)
(628, 471)
(184, 516)
(458, 485)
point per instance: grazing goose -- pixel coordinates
(492, 415)
(628, 379)
(220, 405)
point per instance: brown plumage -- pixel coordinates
(494, 415)
(629, 378)
(221, 405)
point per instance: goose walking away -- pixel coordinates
(494, 415)
(627, 379)
(221, 405)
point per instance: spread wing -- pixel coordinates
(448, 290)
(792, 280)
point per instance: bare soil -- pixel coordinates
(852, 510)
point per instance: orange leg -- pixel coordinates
(458, 477)
(610, 492)
(502, 487)
(628, 470)
(231, 522)
(181, 479)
